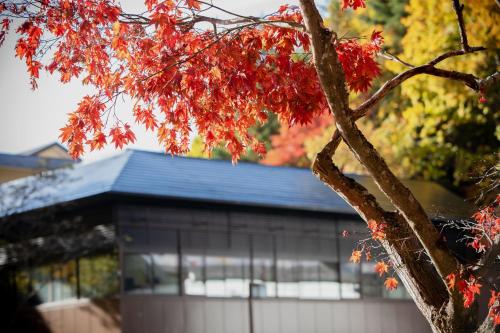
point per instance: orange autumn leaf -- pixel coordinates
(377, 230)
(355, 257)
(450, 281)
(391, 283)
(185, 77)
(381, 268)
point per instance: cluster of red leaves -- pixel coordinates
(377, 230)
(177, 75)
(354, 4)
(486, 228)
(358, 61)
(468, 286)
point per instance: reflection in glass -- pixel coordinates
(264, 284)
(64, 281)
(41, 283)
(372, 283)
(98, 276)
(193, 275)
(165, 275)
(237, 276)
(215, 285)
(264, 279)
(137, 273)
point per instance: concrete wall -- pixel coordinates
(82, 316)
(155, 314)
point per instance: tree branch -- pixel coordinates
(332, 80)
(486, 263)
(461, 24)
(418, 277)
(469, 80)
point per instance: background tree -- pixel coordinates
(452, 140)
(183, 68)
(262, 132)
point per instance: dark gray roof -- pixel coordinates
(31, 162)
(156, 174)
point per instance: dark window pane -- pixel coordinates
(237, 266)
(264, 281)
(137, 273)
(134, 235)
(372, 283)
(193, 246)
(164, 238)
(328, 269)
(287, 266)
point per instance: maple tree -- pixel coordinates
(185, 70)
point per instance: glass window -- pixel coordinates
(98, 276)
(215, 285)
(350, 273)
(216, 264)
(308, 267)
(193, 246)
(165, 274)
(42, 277)
(64, 281)
(264, 280)
(193, 274)
(328, 269)
(237, 276)
(237, 266)
(137, 273)
(287, 266)
(288, 285)
(372, 283)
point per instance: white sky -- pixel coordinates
(29, 119)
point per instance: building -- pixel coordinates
(51, 156)
(143, 242)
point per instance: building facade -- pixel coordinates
(143, 242)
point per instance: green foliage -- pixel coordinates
(443, 132)
(429, 128)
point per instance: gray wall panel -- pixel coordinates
(289, 316)
(324, 317)
(373, 318)
(236, 316)
(307, 319)
(162, 314)
(356, 315)
(194, 315)
(215, 318)
(340, 317)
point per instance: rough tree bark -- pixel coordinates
(442, 307)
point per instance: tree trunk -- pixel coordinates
(426, 282)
